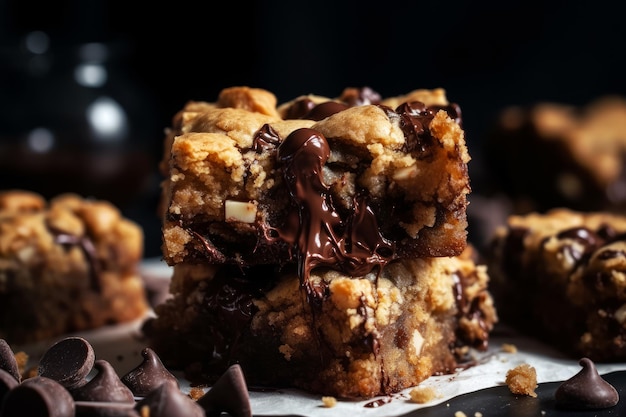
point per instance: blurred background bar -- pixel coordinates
(87, 86)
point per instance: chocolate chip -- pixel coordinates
(168, 401)
(7, 383)
(228, 394)
(38, 397)
(7, 360)
(105, 386)
(148, 375)
(324, 110)
(586, 390)
(68, 362)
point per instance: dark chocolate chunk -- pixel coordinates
(105, 386)
(7, 360)
(7, 383)
(148, 375)
(168, 401)
(38, 397)
(68, 362)
(104, 409)
(586, 390)
(360, 96)
(228, 394)
(324, 110)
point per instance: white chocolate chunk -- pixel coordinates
(240, 211)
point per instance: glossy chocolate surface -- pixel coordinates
(105, 386)
(148, 375)
(38, 397)
(586, 390)
(8, 361)
(68, 362)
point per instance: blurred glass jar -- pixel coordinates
(72, 120)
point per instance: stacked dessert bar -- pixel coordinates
(320, 243)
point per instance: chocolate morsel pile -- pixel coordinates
(63, 387)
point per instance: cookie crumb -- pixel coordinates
(329, 402)
(509, 348)
(459, 414)
(522, 380)
(22, 360)
(196, 392)
(422, 395)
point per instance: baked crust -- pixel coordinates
(411, 165)
(368, 336)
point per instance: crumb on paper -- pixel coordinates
(509, 348)
(422, 395)
(329, 402)
(522, 380)
(195, 393)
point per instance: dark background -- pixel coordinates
(486, 55)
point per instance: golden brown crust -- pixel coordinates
(211, 159)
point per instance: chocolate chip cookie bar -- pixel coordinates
(576, 152)
(321, 243)
(66, 265)
(247, 180)
(561, 276)
(364, 336)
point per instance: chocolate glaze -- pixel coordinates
(68, 362)
(586, 390)
(148, 375)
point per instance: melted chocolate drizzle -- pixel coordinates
(315, 229)
(266, 138)
(471, 311)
